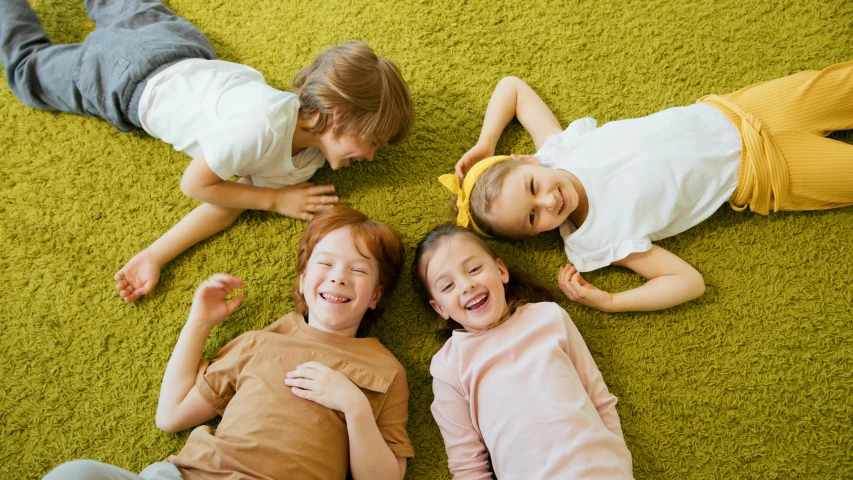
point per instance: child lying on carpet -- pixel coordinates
(145, 67)
(613, 190)
(303, 396)
(517, 393)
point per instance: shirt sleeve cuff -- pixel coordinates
(206, 391)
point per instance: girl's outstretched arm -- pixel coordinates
(181, 405)
(512, 98)
(671, 281)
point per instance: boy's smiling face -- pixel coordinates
(339, 284)
(533, 199)
(346, 149)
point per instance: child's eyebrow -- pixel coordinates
(525, 180)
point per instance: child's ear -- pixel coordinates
(503, 270)
(301, 282)
(439, 310)
(377, 295)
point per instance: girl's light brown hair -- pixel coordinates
(365, 92)
(379, 241)
(485, 192)
(520, 290)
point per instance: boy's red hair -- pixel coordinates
(381, 243)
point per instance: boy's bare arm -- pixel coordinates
(181, 405)
(512, 98)
(671, 281)
(296, 201)
(142, 272)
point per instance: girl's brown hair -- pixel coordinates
(381, 243)
(520, 290)
(365, 92)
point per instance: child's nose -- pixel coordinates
(548, 201)
(370, 154)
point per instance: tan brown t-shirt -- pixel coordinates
(268, 432)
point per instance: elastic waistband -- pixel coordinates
(133, 107)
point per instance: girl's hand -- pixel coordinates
(478, 152)
(303, 200)
(209, 305)
(327, 387)
(579, 290)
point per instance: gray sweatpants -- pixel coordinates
(133, 39)
(92, 470)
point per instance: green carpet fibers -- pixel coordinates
(753, 380)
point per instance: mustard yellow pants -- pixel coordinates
(787, 163)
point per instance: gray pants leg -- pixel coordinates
(92, 470)
(97, 77)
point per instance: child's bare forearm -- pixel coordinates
(660, 293)
(500, 111)
(370, 456)
(181, 371)
(513, 98)
(204, 221)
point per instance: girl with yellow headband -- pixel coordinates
(613, 190)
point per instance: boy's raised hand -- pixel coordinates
(478, 152)
(209, 305)
(138, 276)
(326, 386)
(303, 200)
(579, 290)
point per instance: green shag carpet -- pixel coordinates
(753, 380)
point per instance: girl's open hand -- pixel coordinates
(325, 386)
(478, 152)
(579, 290)
(303, 200)
(209, 305)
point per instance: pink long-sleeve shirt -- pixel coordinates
(525, 400)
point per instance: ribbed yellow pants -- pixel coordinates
(787, 163)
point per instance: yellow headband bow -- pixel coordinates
(463, 193)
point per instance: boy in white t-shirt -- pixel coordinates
(146, 67)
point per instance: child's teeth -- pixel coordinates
(476, 301)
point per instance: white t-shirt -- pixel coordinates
(226, 110)
(646, 178)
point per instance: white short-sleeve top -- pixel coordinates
(646, 178)
(227, 111)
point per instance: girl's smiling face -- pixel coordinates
(466, 284)
(339, 283)
(533, 199)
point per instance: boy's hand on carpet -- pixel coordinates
(478, 152)
(579, 290)
(209, 305)
(303, 200)
(138, 276)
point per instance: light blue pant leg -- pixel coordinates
(92, 470)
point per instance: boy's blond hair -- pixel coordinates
(365, 92)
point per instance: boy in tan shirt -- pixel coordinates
(302, 398)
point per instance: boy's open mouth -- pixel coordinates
(331, 297)
(477, 302)
(562, 201)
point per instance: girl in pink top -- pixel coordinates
(517, 393)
